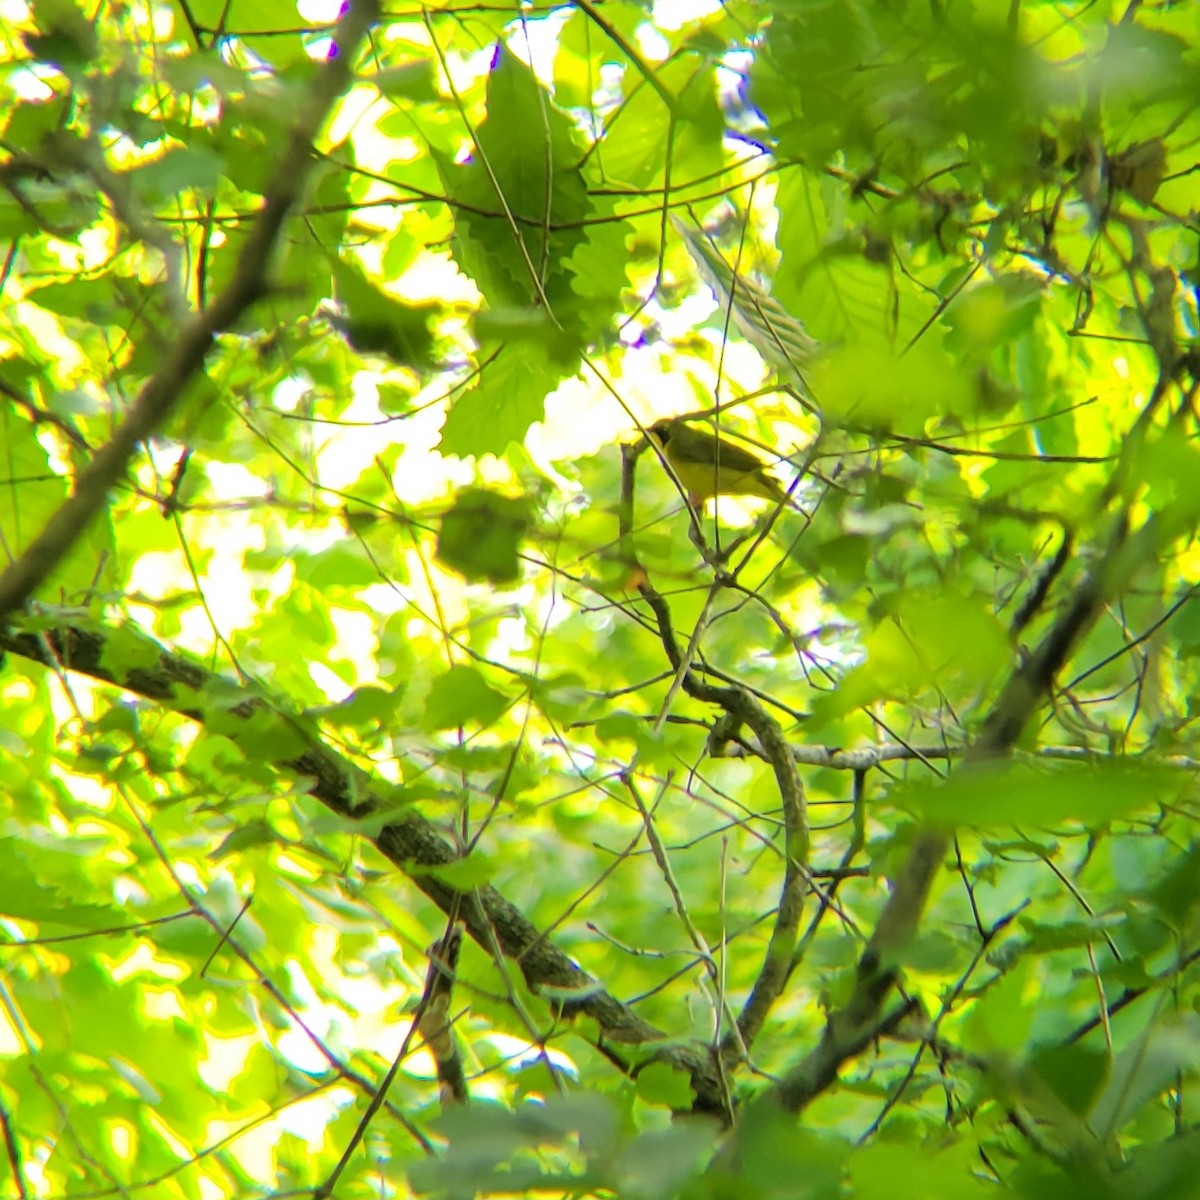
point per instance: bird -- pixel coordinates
(707, 465)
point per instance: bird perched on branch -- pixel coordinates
(707, 465)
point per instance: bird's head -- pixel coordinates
(662, 431)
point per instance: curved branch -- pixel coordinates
(742, 708)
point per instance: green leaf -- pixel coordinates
(64, 33)
(246, 837)
(462, 696)
(507, 396)
(660, 1162)
(947, 1173)
(931, 641)
(378, 323)
(177, 170)
(49, 897)
(471, 871)
(662, 1084)
(1156, 1061)
(365, 708)
(864, 385)
(521, 198)
(481, 536)
(127, 649)
(343, 565)
(1041, 796)
(1075, 1074)
(1176, 895)
(412, 79)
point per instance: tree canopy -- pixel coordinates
(408, 789)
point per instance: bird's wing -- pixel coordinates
(734, 458)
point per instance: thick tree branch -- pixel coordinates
(408, 840)
(165, 387)
(854, 1026)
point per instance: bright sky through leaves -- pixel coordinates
(372, 699)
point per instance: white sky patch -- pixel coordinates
(653, 46)
(336, 691)
(673, 15)
(355, 641)
(119, 1139)
(11, 1044)
(354, 107)
(465, 72)
(421, 474)
(226, 585)
(296, 1046)
(287, 394)
(581, 418)
(96, 243)
(731, 76)
(535, 43)
(232, 479)
(521, 1053)
(29, 83)
(254, 1148)
(319, 12)
(130, 893)
(143, 961)
(85, 790)
(685, 318)
(308, 1118)
(405, 149)
(39, 324)
(155, 572)
(434, 275)
(226, 1058)
(382, 599)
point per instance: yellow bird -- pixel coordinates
(710, 466)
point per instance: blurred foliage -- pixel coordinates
(937, 259)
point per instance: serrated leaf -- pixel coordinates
(379, 323)
(521, 199)
(508, 395)
(775, 333)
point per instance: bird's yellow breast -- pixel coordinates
(705, 480)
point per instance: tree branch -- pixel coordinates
(742, 708)
(412, 843)
(853, 1027)
(166, 386)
